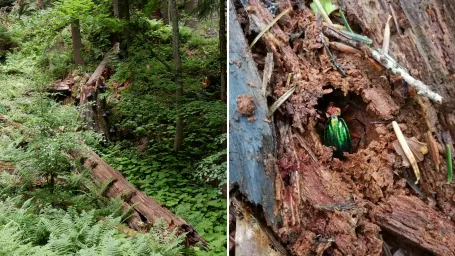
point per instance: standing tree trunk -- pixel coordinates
(116, 9)
(178, 141)
(77, 42)
(223, 51)
(122, 12)
(366, 203)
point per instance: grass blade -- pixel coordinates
(269, 26)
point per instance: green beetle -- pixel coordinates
(336, 132)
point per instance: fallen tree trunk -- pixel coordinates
(94, 107)
(145, 210)
(363, 204)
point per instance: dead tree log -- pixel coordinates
(145, 209)
(94, 107)
(317, 204)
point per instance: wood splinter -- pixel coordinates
(407, 150)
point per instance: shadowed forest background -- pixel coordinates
(142, 85)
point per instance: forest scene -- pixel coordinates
(341, 127)
(113, 127)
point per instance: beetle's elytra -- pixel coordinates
(336, 134)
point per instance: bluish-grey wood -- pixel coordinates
(249, 142)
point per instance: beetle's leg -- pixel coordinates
(321, 119)
(364, 131)
(355, 105)
(345, 108)
(357, 137)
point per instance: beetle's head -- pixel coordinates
(332, 110)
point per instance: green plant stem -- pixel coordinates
(449, 164)
(345, 21)
(324, 14)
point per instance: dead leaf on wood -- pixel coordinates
(419, 149)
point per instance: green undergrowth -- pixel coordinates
(199, 204)
(28, 229)
(67, 217)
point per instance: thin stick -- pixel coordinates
(407, 151)
(395, 20)
(335, 33)
(344, 48)
(357, 37)
(388, 62)
(335, 63)
(337, 26)
(269, 26)
(323, 13)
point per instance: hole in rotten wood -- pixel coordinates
(352, 109)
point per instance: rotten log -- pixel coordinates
(316, 204)
(93, 106)
(146, 210)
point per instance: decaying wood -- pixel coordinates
(411, 219)
(145, 209)
(252, 237)
(341, 207)
(248, 159)
(93, 106)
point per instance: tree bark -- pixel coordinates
(178, 141)
(116, 9)
(316, 204)
(122, 12)
(77, 42)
